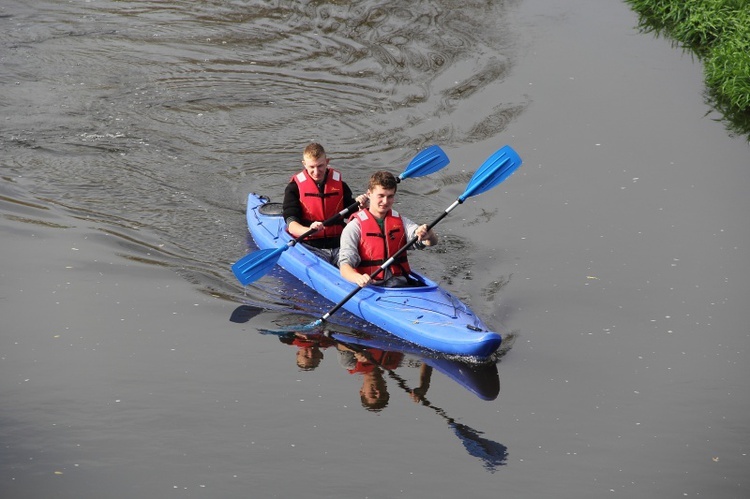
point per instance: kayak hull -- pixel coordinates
(425, 315)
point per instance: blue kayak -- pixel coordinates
(425, 315)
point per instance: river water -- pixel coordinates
(614, 261)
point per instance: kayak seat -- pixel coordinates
(271, 209)
(415, 281)
(414, 284)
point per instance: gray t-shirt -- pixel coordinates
(349, 249)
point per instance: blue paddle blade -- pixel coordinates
(252, 267)
(425, 162)
(492, 454)
(497, 168)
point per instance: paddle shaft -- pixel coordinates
(493, 171)
(253, 266)
(388, 262)
(427, 161)
(338, 216)
(436, 152)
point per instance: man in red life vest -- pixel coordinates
(314, 195)
(377, 232)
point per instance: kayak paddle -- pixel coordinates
(493, 171)
(255, 265)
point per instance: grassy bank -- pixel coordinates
(718, 32)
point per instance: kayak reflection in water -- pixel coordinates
(360, 354)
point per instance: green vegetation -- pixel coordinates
(718, 32)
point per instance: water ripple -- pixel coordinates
(152, 120)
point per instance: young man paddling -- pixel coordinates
(377, 232)
(313, 195)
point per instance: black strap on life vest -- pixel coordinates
(321, 195)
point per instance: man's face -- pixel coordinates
(316, 167)
(381, 200)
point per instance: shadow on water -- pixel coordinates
(736, 122)
(375, 355)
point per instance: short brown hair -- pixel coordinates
(384, 179)
(314, 150)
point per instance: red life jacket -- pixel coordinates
(320, 207)
(375, 247)
(312, 341)
(387, 360)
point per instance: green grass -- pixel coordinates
(718, 32)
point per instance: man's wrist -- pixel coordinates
(290, 220)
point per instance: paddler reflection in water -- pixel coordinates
(370, 363)
(309, 348)
(375, 233)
